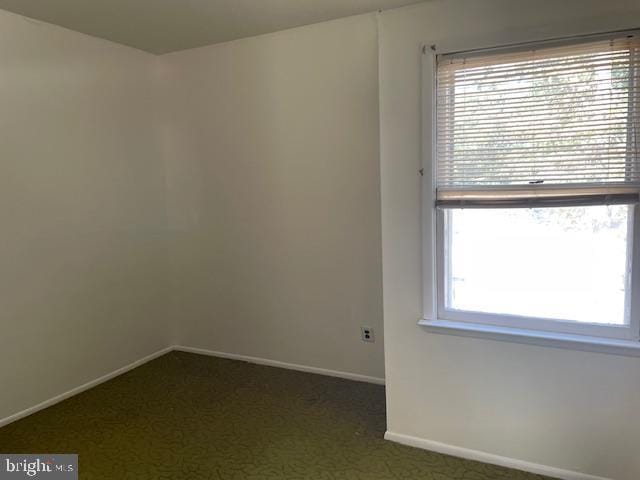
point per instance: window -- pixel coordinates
(537, 178)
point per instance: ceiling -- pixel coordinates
(161, 26)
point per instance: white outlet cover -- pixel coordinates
(368, 335)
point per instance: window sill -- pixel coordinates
(534, 337)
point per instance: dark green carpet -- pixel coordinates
(185, 416)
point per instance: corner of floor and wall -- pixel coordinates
(83, 248)
(139, 220)
(251, 200)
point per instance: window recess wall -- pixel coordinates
(478, 395)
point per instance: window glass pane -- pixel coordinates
(565, 263)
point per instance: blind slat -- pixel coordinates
(544, 196)
(533, 202)
(528, 89)
(607, 60)
(545, 127)
(613, 108)
(524, 101)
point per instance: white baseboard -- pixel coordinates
(289, 366)
(82, 388)
(391, 436)
(488, 457)
(148, 358)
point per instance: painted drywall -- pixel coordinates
(567, 409)
(81, 206)
(272, 167)
(270, 150)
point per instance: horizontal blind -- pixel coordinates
(540, 125)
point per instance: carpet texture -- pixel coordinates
(185, 416)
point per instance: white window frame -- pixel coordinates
(440, 319)
(630, 331)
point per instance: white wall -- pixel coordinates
(81, 207)
(568, 409)
(270, 147)
(273, 196)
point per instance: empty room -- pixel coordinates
(320, 239)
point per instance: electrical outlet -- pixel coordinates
(367, 334)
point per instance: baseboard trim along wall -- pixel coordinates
(289, 366)
(180, 348)
(484, 457)
(391, 436)
(82, 388)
